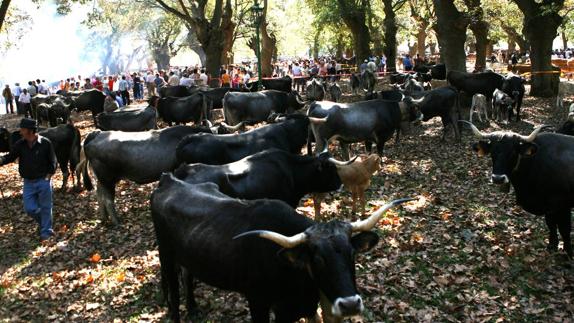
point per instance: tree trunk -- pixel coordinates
(3, 11)
(421, 40)
(451, 33)
(162, 58)
(268, 50)
(511, 45)
(540, 28)
(480, 31)
(390, 35)
(339, 49)
(564, 40)
(354, 16)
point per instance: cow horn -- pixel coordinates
(232, 128)
(283, 241)
(371, 221)
(475, 130)
(342, 163)
(532, 136)
(318, 120)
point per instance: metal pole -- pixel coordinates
(258, 46)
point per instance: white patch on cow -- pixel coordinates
(132, 136)
(503, 176)
(238, 167)
(338, 311)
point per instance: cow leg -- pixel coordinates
(362, 200)
(259, 312)
(553, 235)
(170, 286)
(190, 304)
(518, 106)
(107, 194)
(564, 222)
(369, 146)
(398, 136)
(454, 123)
(317, 200)
(470, 114)
(355, 197)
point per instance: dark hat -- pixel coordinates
(28, 123)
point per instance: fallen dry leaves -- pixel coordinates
(462, 252)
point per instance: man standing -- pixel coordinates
(17, 90)
(150, 82)
(203, 78)
(123, 88)
(9, 98)
(173, 79)
(24, 100)
(37, 164)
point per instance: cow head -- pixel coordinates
(295, 100)
(513, 85)
(506, 149)
(326, 251)
(411, 109)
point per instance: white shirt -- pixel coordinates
(150, 78)
(296, 70)
(246, 78)
(186, 81)
(24, 98)
(203, 78)
(173, 80)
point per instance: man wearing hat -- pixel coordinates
(37, 164)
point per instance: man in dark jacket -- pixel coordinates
(37, 164)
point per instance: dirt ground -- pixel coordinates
(463, 252)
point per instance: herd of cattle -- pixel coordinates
(224, 208)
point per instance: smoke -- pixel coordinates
(53, 48)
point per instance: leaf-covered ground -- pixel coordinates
(462, 252)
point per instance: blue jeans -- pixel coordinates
(38, 204)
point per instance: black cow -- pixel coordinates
(294, 261)
(473, 83)
(315, 90)
(258, 106)
(335, 92)
(39, 99)
(283, 84)
(373, 120)
(399, 78)
(128, 120)
(178, 91)
(441, 102)
(92, 100)
(58, 111)
(389, 95)
(438, 72)
(412, 86)
(355, 82)
(191, 108)
(66, 141)
(289, 135)
(540, 167)
(514, 86)
(214, 97)
(140, 157)
(256, 176)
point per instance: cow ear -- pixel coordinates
(297, 257)
(482, 148)
(528, 149)
(364, 241)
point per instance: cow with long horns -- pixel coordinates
(277, 258)
(540, 167)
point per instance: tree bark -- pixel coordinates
(354, 16)
(451, 33)
(516, 37)
(540, 28)
(511, 45)
(564, 40)
(479, 28)
(390, 35)
(3, 11)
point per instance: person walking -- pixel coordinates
(123, 88)
(150, 82)
(24, 100)
(36, 165)
(17, 90)
(9, 98)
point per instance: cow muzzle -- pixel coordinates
(348, 306)
(499, 179)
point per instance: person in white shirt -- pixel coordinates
(173, 79)
(185, 81)
(150, 84)
(203, 78)
(24, 100)
(246, 77)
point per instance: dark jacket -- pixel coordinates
(36, 162)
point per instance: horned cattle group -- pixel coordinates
(224, 210)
